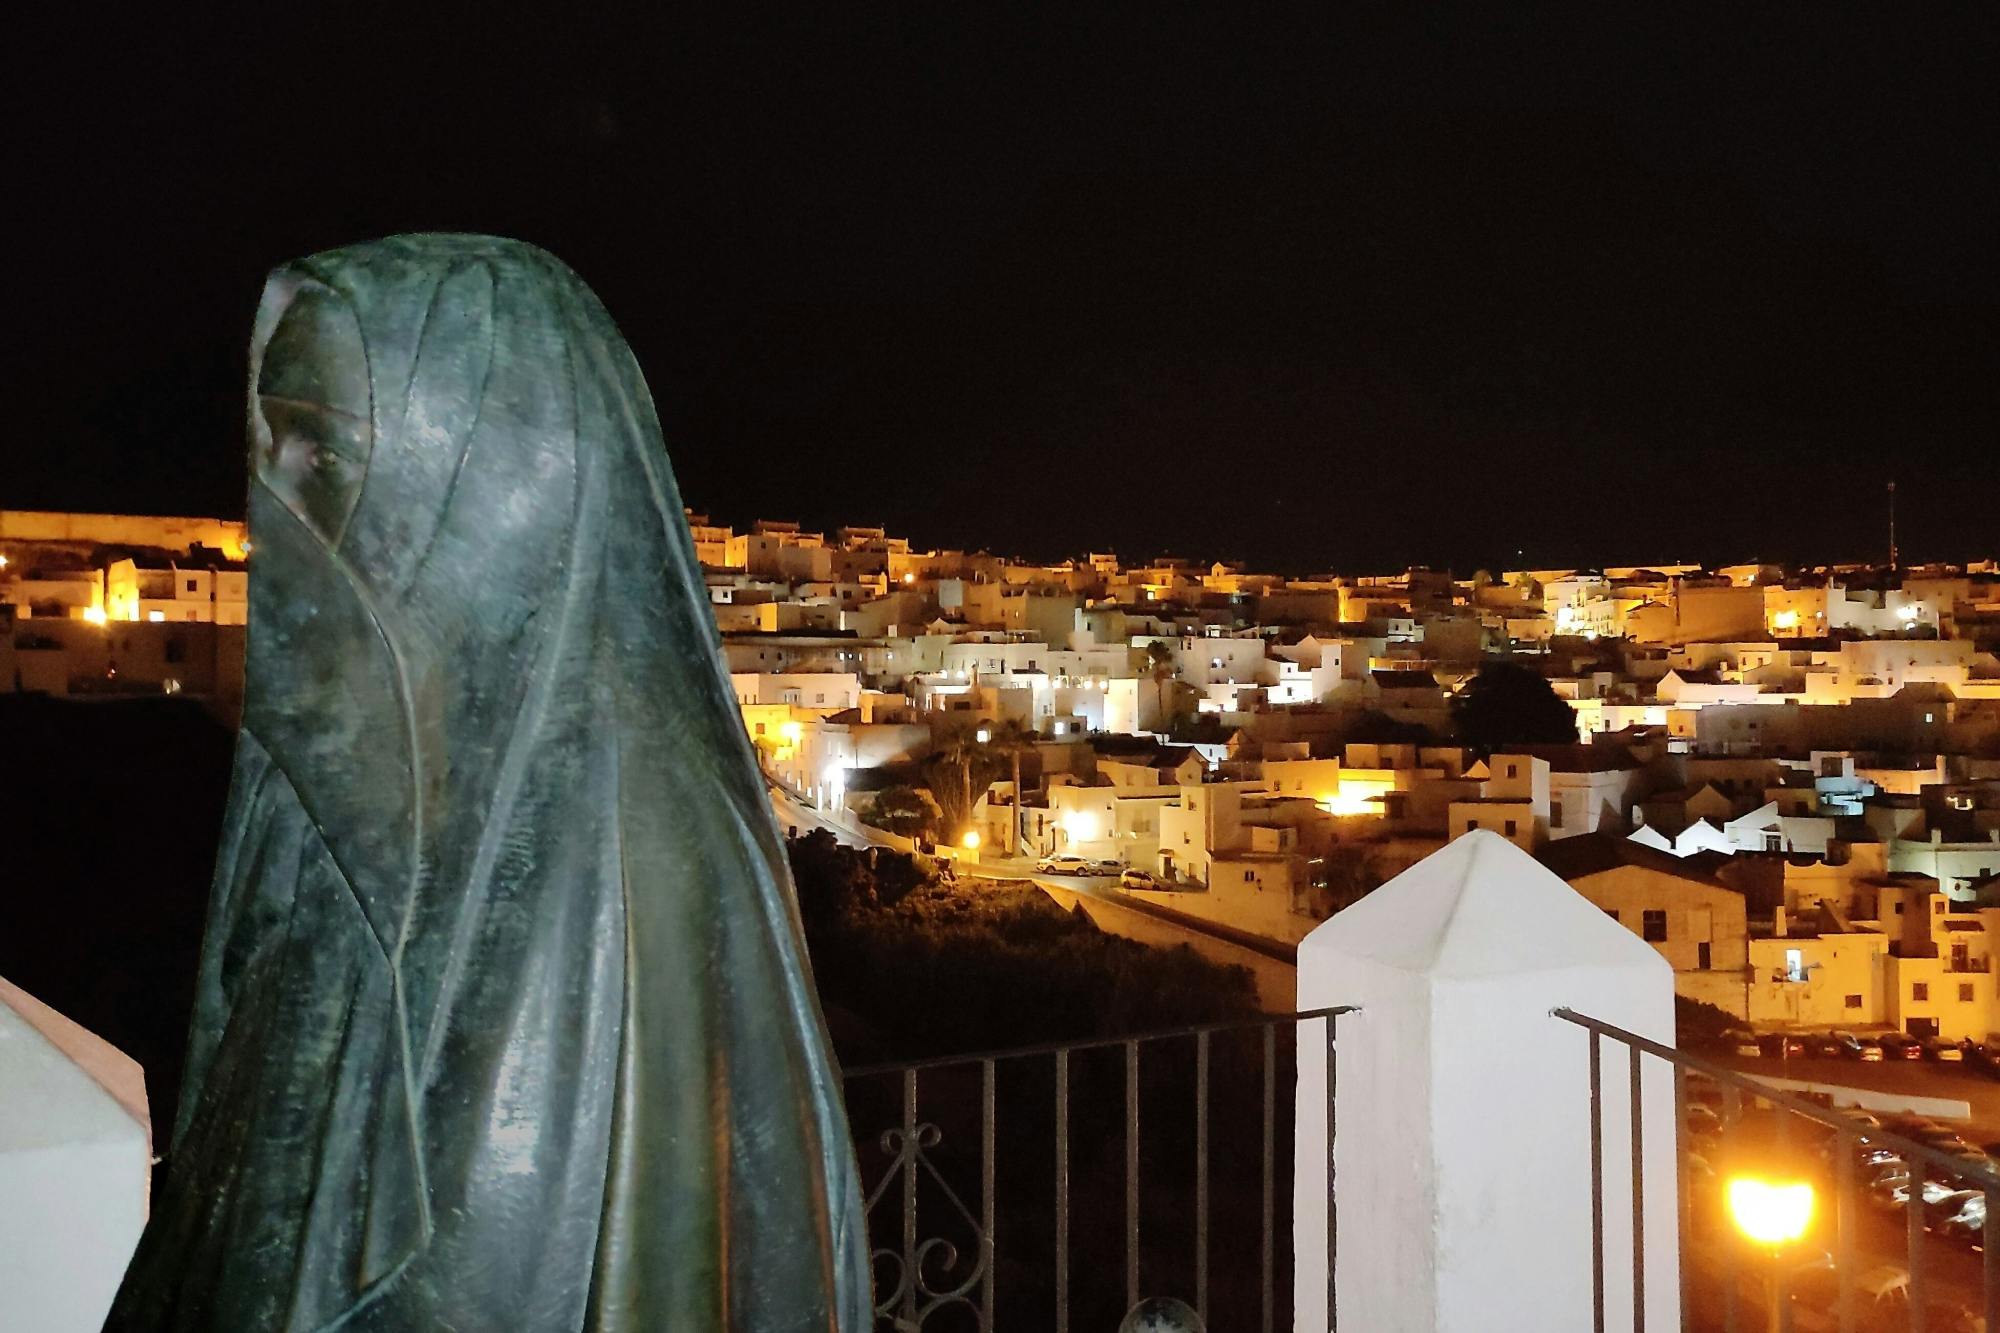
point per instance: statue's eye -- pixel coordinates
(312, 401)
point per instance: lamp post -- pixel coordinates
(1771, 1214)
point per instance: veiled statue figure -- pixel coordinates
(503, 1018)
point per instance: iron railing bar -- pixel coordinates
(1846, 1144)
(1131, 1174)
(1095, 1044)
(1201, 1040)
(1914, 1215)
(1596, 1185)
(1685, 1182)
(909, 1311)
(1732, 1114)
(1831, 1119)
(1989, 1267)
(1062, 1191)
(1332, 1210)
(1637, 1108)
(986, 1209)
(1270, 1166)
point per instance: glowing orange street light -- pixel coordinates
(1773, 1214)
(970, 841)
(94, 614)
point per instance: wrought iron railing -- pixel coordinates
(1051, 1187)
(1937, 1268)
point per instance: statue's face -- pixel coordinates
(313, 431)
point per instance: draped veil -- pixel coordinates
(503, 1018)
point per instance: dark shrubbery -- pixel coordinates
(931, 966)
(912, 966)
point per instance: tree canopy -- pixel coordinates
(1507, 704)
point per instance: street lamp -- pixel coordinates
(1771, 1214)
(970, 841)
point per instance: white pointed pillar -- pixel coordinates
(75, 1165)
(1462, 1145)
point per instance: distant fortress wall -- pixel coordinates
(173, 534)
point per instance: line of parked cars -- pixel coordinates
(1063, 863)
(1951, 1211)
(1882, 1170)
(1868, 1047)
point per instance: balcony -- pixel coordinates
(1506, 1159)
(1054, 1187)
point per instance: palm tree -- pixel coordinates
(958, 774)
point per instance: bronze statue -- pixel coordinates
(503, 1018)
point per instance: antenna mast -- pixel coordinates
(1892, 527)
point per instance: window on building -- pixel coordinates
(1965, 992)
(1555, 814)
(1920, 991)
(1853, 1002)
(1937, 907)
(1702, 955)
(1774, 842)
(192, 585)
(1795, 965)
(1513, 770)
(1611, 912)
(1654, 923)
(1510, 828)
(760, 728)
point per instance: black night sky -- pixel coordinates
(1311, 286)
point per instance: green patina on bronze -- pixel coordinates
(503, 1019)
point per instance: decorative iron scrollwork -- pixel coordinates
(913, 1282)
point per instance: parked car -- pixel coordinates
(1974, 1158)
(1106, 866)
(1875, 1160)
(1784, 1045)
(1136, 878)
(1896, 1046)
(1063, 864)
(1967, 1226)
(1702, 1121)
(1947, 1206)
(1935, 1049)
(1982, 1057)
(1826, 1044)
(1897, 1195)
(1941, 1137)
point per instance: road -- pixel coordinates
(1273, 968)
